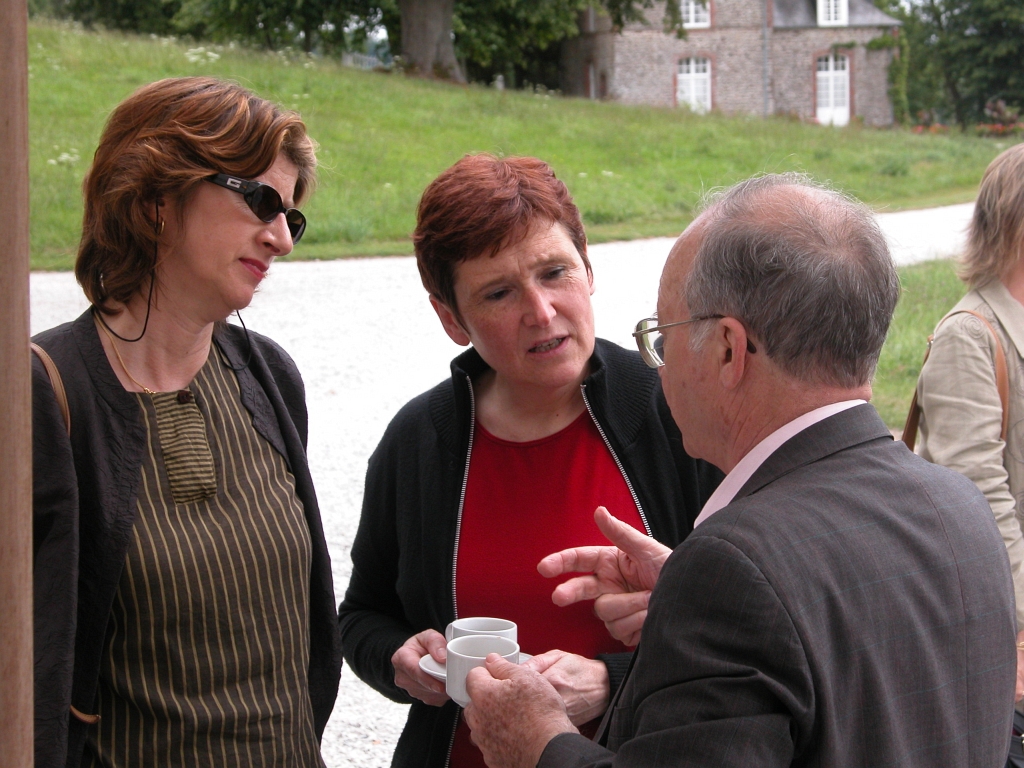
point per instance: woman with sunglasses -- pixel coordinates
(505, 462)
(184, 603)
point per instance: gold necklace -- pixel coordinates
(124, 367)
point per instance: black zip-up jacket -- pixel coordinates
(403, 557)
(85, 492)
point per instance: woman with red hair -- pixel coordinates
(479, 478)
(184, 607)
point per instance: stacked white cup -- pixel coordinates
(470, 640)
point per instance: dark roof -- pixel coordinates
(804, 13)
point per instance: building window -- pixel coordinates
(693, 84)
(833, 86)
(695, 14)
(833, 13)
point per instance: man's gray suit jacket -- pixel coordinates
(851, 607)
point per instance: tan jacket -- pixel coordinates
(961, 415)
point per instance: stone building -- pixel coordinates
(807, 58)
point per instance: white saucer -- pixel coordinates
(439, 672)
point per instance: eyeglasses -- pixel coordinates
(650, 341)
(264, 201)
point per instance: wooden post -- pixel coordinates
(16, 749)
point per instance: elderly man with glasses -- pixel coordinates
(841, 602)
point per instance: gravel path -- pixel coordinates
(366, 340)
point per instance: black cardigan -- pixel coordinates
(403, 554)
(84, 507)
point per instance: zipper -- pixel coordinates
(458, 531)
(451, 741)
(462, 495)
(600, 429)
(462, 503)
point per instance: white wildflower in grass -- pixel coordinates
(582, 174)
(607, 173)
(198, 55)
(64, 158)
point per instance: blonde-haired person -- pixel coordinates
(961, 410)
(184, 606)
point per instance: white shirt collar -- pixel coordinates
(746, 467)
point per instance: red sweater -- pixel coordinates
(525, 501)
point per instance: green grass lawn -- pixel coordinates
(633, 171)
(930, 290)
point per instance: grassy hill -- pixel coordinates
(634, 171)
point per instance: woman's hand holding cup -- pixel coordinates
(409, 676)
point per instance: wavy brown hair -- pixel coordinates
(482, 204)
(159, 144)
(995, 238)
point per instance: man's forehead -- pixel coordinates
(677, 267)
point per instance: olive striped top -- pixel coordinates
(207, 648)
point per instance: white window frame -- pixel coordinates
(693, 83)
(833, 13)
(696, 14)
(827, 108)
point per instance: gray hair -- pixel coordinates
(807, 271)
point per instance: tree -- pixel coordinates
(436, 38)
(274, 24)
(517, 39)
(976, 49)
(150, 16)
(921, 81)
(430, 39)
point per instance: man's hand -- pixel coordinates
(513, 713)
(582, 683)
(408, 674)
(620, 578)
(623, 615)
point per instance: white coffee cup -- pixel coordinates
(481, 625)
(468, 652)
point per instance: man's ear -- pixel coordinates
(731, 351)
(450, 322)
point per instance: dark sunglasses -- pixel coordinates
(264, 201)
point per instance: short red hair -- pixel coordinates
(481, 205)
